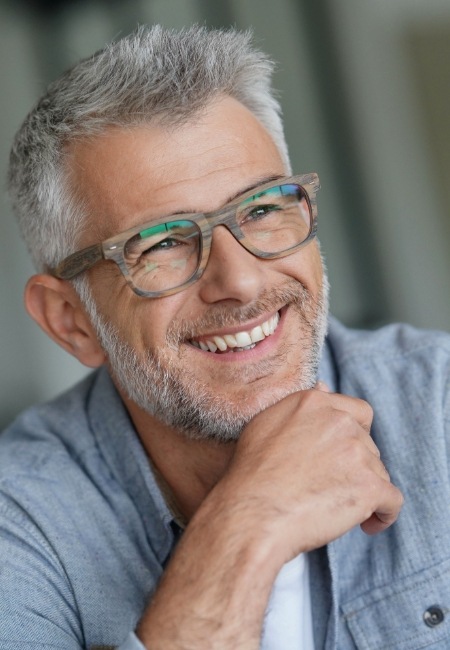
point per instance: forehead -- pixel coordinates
(126, 176)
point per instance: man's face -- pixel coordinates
(128, 177)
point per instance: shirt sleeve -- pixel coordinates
(37, 607)
(131, 643)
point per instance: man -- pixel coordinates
(214, 483)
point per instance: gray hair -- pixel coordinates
(154, 74)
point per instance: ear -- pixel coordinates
(56, 307)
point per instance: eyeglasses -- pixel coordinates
(162, 257)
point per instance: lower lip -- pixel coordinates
(260, 348)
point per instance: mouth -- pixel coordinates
(237, 341)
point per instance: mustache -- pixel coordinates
(220, 316)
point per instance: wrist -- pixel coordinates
(215, 590)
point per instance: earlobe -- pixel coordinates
(56, 308)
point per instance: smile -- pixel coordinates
(239, 341)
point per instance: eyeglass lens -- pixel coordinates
(167, 255)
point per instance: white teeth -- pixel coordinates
(221, 343)
(266, 328)
(273, 322)
(230, 340)
(241, 340)
(257, 334)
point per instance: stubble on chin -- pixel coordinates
(170, 391)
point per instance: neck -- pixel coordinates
(190, 468)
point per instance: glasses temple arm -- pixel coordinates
(78, 262)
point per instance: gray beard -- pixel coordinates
(179, 398)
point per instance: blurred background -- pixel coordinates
(365, 88)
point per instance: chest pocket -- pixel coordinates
(409, 614)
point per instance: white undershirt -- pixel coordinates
(288, 621)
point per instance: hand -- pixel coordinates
(307, 470)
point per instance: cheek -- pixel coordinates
(140, 321)
(145, 321)
(305, 267)
(317, 264)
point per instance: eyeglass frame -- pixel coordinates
(113, 248)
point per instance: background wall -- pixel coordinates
(365, 90)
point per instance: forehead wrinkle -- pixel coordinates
(199, 167)
(223, 186)
(114, 226)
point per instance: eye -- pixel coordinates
(139, 248)
(258, 212)
(164, 244)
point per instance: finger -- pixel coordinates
(359, 409)
(386, 514)
(370, 444)
(384, 472)
(380, 469)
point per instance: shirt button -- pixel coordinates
(433, 616)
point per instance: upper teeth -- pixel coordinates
(242, 340)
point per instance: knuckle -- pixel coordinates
(312, 396)
(364, 410)
(310, 400)
(367, 408)
(344, 421)
(400, 498)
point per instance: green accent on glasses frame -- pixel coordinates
(176, 244)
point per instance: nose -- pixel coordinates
(232, 273)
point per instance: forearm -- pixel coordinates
(216, 587)
(302, 475)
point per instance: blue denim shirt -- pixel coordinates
(85, 533)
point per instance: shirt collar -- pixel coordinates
(125, 456)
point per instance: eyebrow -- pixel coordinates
(260, 181)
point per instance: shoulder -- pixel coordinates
(77, 547)
(397, 357)
(51, 464)
(38, 464)
(403, 372)
(40, 434)
(394, 341)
